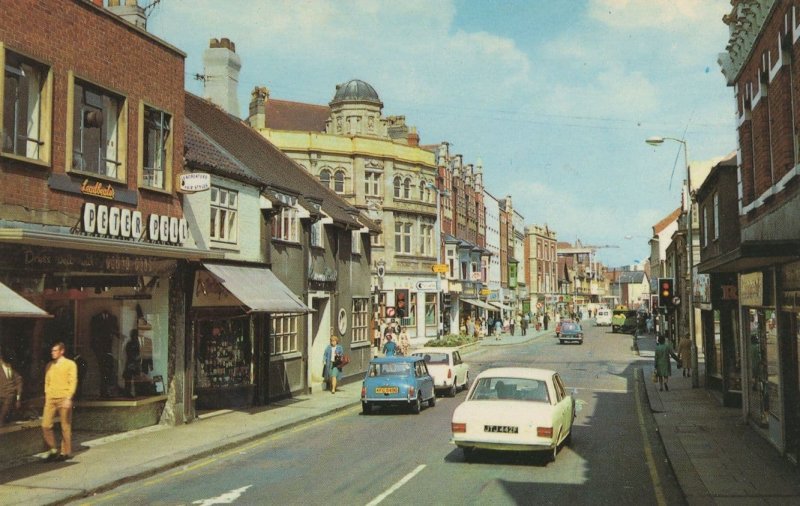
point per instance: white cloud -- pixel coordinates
(669, 15)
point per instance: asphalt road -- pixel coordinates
(392, 457)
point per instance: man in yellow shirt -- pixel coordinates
(60, 383)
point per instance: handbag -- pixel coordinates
(345, 360)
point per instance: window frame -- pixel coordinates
(398, 184)
(44, 138)
(325, 181)
(286, 220)
(228, 209)
(339, 181)
(168, 146)
(284, 341)
(360, 319)
(121, 124)
(317, 232)
(716, 215)
(372, 183)
(355, 242)
(403, 237)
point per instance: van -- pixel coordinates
(603, 317)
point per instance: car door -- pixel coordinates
(424, 380)
(459, 367)
(565, 405)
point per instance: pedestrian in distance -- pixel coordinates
(498, 328)
(333, 363)
(663, 365)
(60, 383)
(510, 324)
(10, 390)
(685, 355)
(390, 348)
(545, 320)
(404, 343)
(470, 327)
(523, 325)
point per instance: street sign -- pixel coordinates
(442, 268)
(426, 286)
(485, 291)
(390, 312)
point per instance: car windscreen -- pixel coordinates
(521, 389)
(434, 358)
(392, 369)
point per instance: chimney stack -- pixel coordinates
(128, 10)
(222, 66)
(258, 107)
(413, 137)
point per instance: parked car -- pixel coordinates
(449, 372)
(571, 332)
(397, 381)
(603, 317)
(514, 409)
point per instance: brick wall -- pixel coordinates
(77, 36)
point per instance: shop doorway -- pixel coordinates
(320, 326)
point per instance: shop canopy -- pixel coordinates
(257, 288)
(13, 305)
(479, 303)
(498, 305)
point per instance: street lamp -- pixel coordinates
(439, 195)
(657, 141)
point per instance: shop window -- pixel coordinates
(430, 309)
(224, 215)
(283, 334)
(317, 232)
(325, 178)
(27, 93)
(338, 181)
(360, 322)
(285, 225)
(156, 148)
(224, 353)
(98, 131)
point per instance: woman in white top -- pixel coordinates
(333, 363)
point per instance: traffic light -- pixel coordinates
(666, 292)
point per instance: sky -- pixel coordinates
(555, 97)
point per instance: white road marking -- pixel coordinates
(226, 498)
(397, 485)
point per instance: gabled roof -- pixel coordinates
(664, 223)
(239, 149)
(202, 152)
(287, 115)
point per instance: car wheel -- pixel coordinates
(432, 401)
(417, 406)
(453, 388)
(366, 408)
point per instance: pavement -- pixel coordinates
(716, 457)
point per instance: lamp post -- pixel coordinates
(657, 141)
(439, 195)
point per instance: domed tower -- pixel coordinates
(356, 110)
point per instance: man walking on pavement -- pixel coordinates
(60, 383)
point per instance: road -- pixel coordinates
(397, 458)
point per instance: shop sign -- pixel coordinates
(485, 291)
(751, 289)
(119, 223)
(441, 268)
(96, 189)
(195, 182)
(790, 276)
(729, 292)
(702, 288)
(426, 286)
(50, 259)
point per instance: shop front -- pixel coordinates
(723, 350)
(789, 335)
(115, 306)
(239, 315)
(760, 335)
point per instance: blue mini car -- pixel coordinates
(397, 381)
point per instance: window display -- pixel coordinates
(225, 353)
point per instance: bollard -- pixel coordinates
(635, 346)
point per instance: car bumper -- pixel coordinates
(529, 446)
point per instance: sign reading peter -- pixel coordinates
(120, 223)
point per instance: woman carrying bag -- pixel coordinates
(333, 363)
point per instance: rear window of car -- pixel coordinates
(569, 326)
(434, 358)
(520, 389)
(399, 369)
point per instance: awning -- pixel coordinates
(479, 303)
(498, 305)
(257, 288)
(14, 305)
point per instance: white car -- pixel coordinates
(449, 372)
(603, 317)
(514, 409)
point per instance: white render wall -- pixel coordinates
(493, 239)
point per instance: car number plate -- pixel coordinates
(505, 429)
(386, 390)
